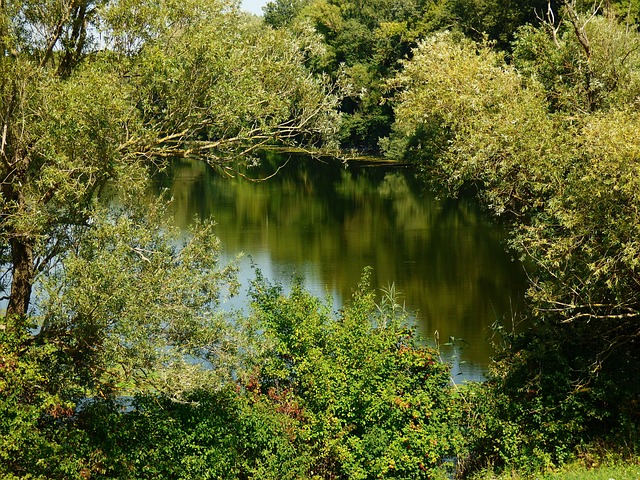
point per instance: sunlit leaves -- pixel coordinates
(133, 306)
(462, 110)
(376, 403)
(129, 25)
(223, 85)
(551, 139)
(608, 77)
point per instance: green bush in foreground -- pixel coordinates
(374, 401)
(347, 395)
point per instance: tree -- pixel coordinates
(282, 12)
(363, 42)
(467, 119)
(373, 400)
(551, 142)
(92, 93)
(353, 394)
(498, 20)
(133, 307)
(586, 61)
(60, 145)
(95, 96)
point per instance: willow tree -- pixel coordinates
(94, 92)
(551, 142)
(93, 97)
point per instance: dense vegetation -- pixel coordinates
(551, 141)
(364, 42)
(115, 361)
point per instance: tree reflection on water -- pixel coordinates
(327, 222)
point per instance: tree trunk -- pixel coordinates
(74, 45)
(22, 277)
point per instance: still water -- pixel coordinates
(327, 222)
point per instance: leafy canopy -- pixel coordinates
(550, 140)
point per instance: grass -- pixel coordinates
(620, 470)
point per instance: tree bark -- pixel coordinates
(74, 44)
(22, 277)
(21, 242)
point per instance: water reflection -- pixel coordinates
(327, 222)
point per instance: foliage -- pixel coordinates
(599, 75)
(363, 43)
(551, 141)
(375, 402)
(497, 20)
(95, 93)
(34, 440)
(542, 407)
(222, 88)
(123, 301)
(366, 41)
(466, 119)
(61, 146)
(281, 13)
(351, 396)
(223, 434)
(133, 306)
(210, 434)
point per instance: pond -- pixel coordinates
(326, 222)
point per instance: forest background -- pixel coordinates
(115, 360)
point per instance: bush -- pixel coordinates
(376, 402)
(354, 395)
